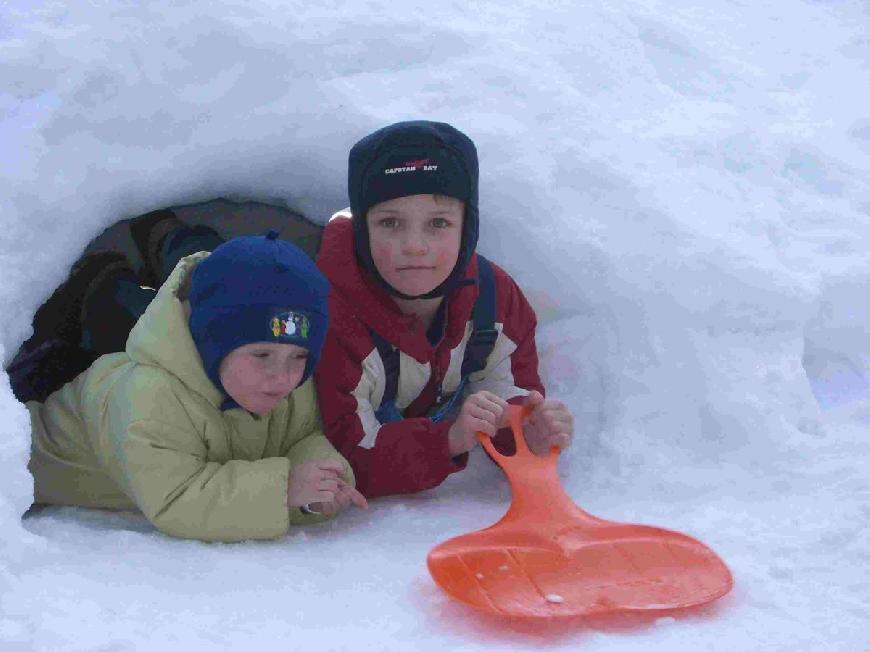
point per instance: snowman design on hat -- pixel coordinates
(290, 324)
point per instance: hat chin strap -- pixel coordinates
(440, 291)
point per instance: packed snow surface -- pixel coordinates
(683, 190)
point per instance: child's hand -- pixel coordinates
(314, 481)
(482, 411)
(344, 497)
(549, 424)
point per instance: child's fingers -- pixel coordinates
(559, 439)
(327, 484)
(486, 410)
(484, 426)
(322, 496)
(342, 500)
(330, 465)
(497, 400)
(533, 399)
(498, 408)
(357, 498)
(503, 413)
(489, 401)
(552, 415)
(484, 415)
(352, 495)
(557, 415)
(556, 418)
(566, 431)
(560, 428)
(327, 509)
(542, 445)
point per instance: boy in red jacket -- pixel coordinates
(404, 277)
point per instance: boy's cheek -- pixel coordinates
(443, 259)
(382, 253)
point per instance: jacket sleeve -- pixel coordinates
(392, 458)
(155, 451)
(165, 470)
(307, 442)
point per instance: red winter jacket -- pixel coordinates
(409, 455)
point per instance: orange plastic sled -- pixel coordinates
(546, 557)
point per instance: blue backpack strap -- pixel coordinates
(388, 412)
(483, 334)
(390, 358)
(477, 350)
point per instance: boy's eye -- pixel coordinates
(440, 222)
(260, 354)
(388, 222)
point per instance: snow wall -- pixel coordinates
(682, 191)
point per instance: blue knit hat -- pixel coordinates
(257, 289)
(413, 158)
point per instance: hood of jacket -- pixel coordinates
(162, 337)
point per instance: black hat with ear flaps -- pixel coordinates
(413, 158)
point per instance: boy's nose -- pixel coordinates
(414, 242)
(285, 379)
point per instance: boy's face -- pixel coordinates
(415, 240)
(258, 376)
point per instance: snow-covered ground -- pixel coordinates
(682, 187)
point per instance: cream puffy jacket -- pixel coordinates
(144, 429)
